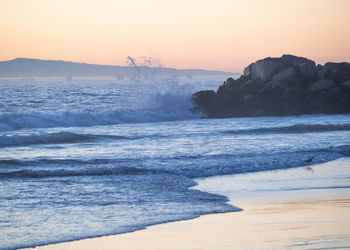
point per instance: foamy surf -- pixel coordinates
(83, 104)
(297, 128)
(9, 122)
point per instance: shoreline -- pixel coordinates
(258, 226)
(296, 218)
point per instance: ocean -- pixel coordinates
(87, 158)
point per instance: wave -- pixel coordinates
(294, 129)
(43, 138)
(92, 171)
(191, 167)
(9, 122)
(158, 107)
(70, 137)
(58, 138)
(222, 164)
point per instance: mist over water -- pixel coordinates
(96, 157)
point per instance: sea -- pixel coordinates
(92, 157)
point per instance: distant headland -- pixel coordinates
(25, 68)
(288, 85)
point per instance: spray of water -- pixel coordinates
(149, 69)
(158, 89)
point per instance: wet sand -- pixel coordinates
(313, 224)
(300, 218)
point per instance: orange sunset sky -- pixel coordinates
(216, 34)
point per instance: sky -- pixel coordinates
(208, 34)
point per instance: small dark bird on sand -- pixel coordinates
(309, 160)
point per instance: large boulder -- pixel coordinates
(286, 78)
(339, 72)
(305, 67)
(295, 60)
(229, 85)
(203, 100)
(266, 68)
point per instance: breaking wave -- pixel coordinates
(192, 167)
(159, 107)
(294, 129)
(40, 173)
(58, 138)
(42, 138)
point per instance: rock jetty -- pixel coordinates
(288, 85)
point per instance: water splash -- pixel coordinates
(149, 69)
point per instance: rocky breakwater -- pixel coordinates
(288, 85)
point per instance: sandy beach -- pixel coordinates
(300, 219)
(316, 224)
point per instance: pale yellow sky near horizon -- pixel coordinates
(220, 35)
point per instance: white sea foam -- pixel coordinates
(42, 138)
(158, 107)
(296, 128)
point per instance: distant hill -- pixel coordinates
(24, 67)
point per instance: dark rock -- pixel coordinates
(295, 60)
(268, 100)
(307, 69)
(288, 85)
(345, 84)
(294, 101)
(229, 85)
(294, 95)
(336, 100)
(266, 68)
(304, 66)
(247, 70)
(331, 94)
(229, 80)
(339, 72)
(321, 72)
(321, 85)
(287, 77)
(203, 100)
(248, 99)
(252, 86)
